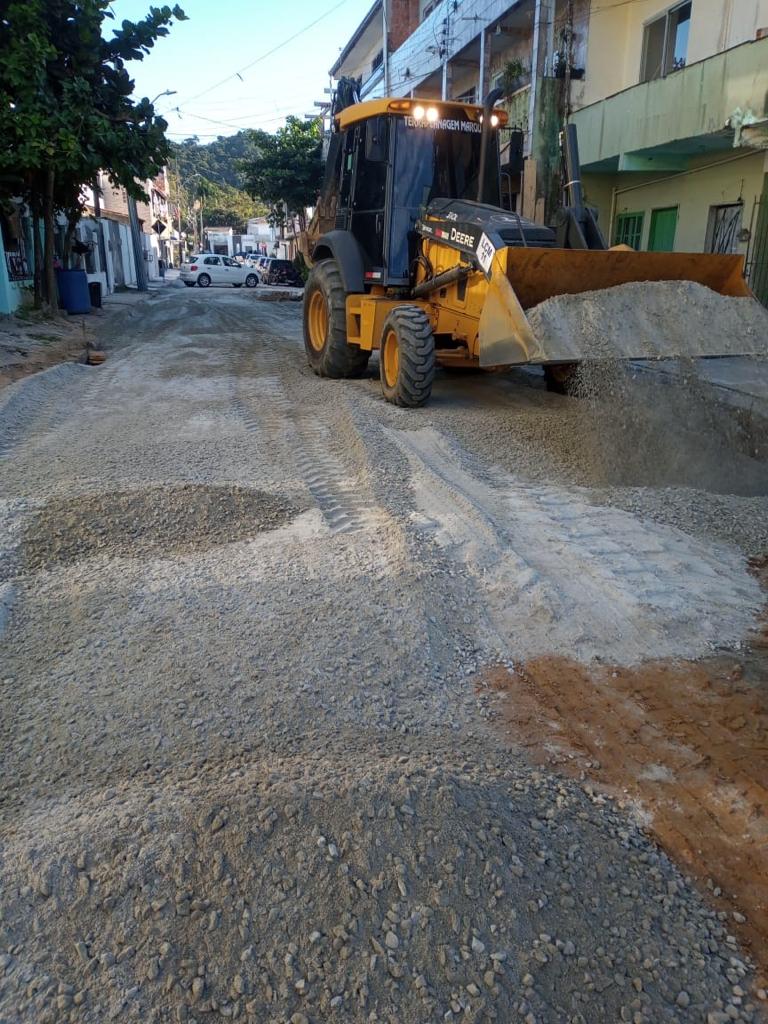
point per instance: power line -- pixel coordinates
(269, 53)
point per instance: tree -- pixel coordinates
(66, 110)
(286, 167)
(213, 172)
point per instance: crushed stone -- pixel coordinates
(227, 771)
(389, 886)
(649, 320)
(155, 521)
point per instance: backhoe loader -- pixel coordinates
(415, 257)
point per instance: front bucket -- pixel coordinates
(566, 306)
(539, 274)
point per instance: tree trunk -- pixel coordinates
(37, 251)
(48, 220)
(72, 218)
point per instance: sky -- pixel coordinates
(222, 37)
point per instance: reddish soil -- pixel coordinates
(686, 743)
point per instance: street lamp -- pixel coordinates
(168, 92)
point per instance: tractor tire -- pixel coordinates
(562, 378)
(407, 357)
(325, 325)
(203, 281)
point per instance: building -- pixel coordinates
(673, 129)
(220, 240)
(461, 49)
(670, 101)
(103, 243)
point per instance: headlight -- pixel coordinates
(432, 114)
(418, 113)
(494, 120)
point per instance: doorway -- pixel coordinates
(661, 237)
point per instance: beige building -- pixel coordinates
(673, 126)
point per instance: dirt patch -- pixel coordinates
(152, 521)
(28, 346)
(687, 742)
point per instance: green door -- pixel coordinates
(661, 237)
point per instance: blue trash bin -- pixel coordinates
(73, 291)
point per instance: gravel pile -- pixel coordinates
(648, 320)
(155, 521)
(366, 886)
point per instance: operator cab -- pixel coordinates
(390, 159)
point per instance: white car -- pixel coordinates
(208, 268)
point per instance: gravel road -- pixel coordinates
(246, 773)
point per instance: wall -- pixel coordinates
(720, 24)
(11, 294)
(693, 192)
(698, 100)
(616, 29)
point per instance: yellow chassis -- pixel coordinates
(484, 315)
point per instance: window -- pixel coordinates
(212, 261)
(724, 227)
(629, 230)
(371, 181)
(665, 43)
(428, 8)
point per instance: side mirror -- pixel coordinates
(376, 137)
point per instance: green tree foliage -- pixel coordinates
(66, 108)
(286, 167)
(212, 172)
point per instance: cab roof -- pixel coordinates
(396, 105)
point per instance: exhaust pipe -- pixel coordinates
(490, 102)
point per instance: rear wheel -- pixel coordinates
(407, 357)
(325, 325)
(251, 281)
(562, 378)
(203, 281)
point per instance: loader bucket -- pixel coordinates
(586, 316)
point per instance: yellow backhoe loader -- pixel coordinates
(418, 260)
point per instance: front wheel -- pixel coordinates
(407, 357)
(325, 325)
(251, 281)
(204, 281)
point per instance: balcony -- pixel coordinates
(659, 125)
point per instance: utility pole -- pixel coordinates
(100, 227)
(385, 47)
(445, 47)
(138, 248)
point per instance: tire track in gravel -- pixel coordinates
(558, 576)
(300, 430)
(36, 405)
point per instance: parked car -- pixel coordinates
(281, 272)
(262, 262)
(207, 268)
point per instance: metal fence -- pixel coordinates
(756, 268)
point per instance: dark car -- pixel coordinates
(282, 272)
